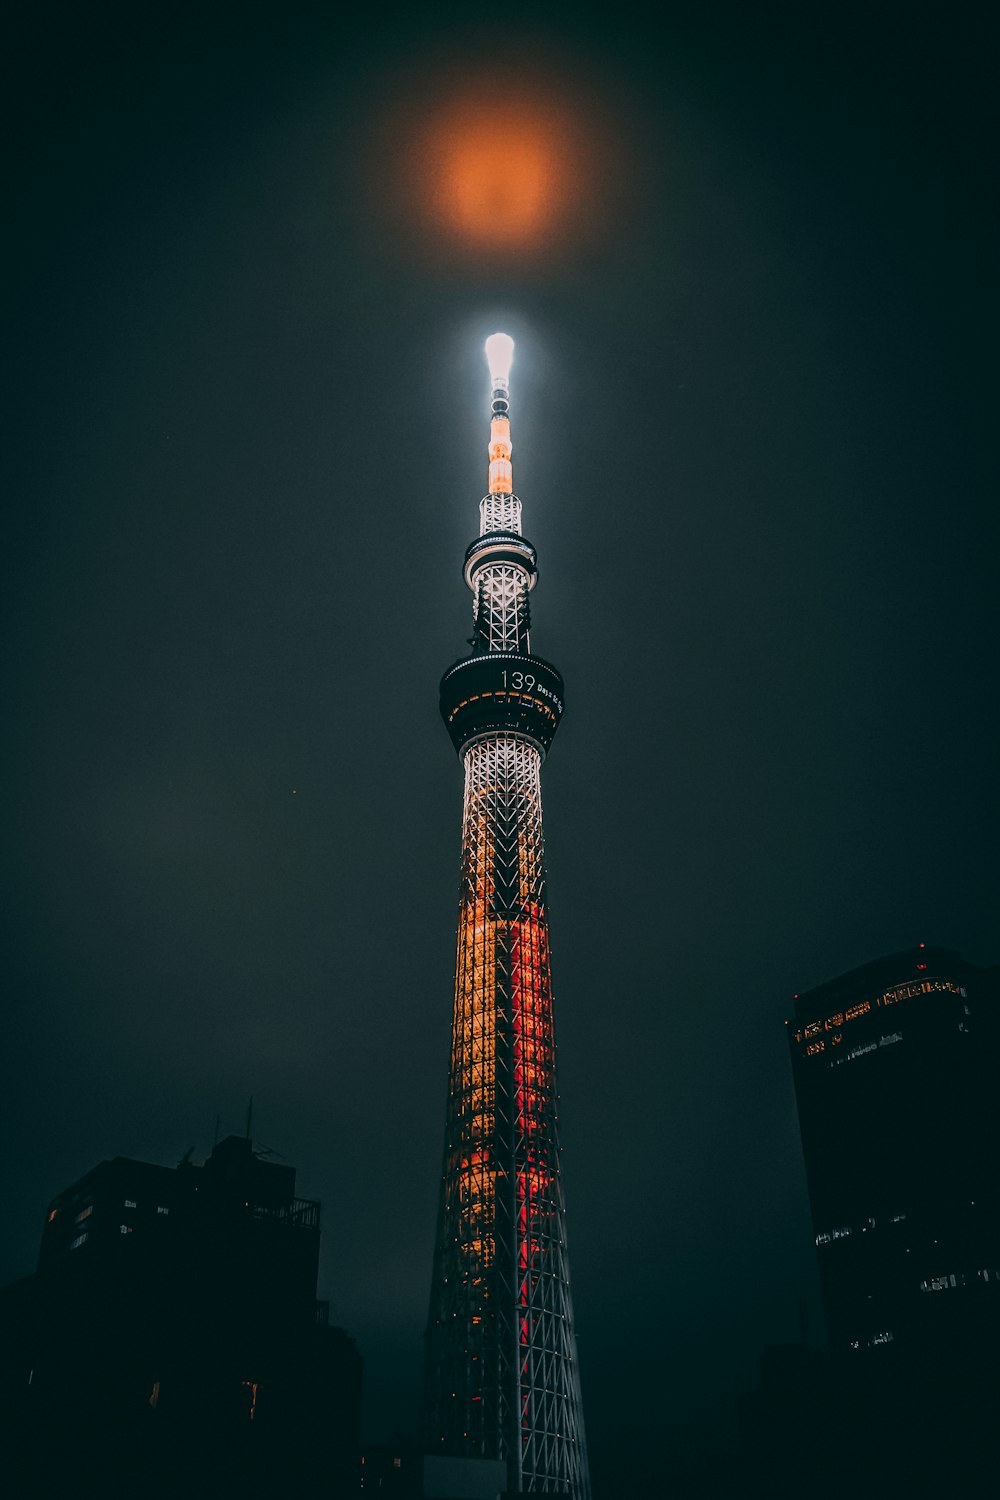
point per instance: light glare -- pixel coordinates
(500, 354)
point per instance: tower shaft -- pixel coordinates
(502, 1379)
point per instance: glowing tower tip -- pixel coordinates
(500, 355)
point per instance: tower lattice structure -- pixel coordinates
(502, 1379)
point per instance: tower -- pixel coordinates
(502, 1381)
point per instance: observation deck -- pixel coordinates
(501, 692)
(495, 548)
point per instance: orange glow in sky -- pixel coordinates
(519, 169)
(508, 176)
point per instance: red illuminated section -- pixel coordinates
(534, 1094)
(525, 944)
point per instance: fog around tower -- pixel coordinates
(247, 434)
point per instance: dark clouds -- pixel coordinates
(248, 442)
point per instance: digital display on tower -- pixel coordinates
(519, 694)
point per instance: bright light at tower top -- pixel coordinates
(500, 354)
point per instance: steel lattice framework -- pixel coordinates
(502, 1379)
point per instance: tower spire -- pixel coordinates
(501, 1379)
(500, 509)
(500, 354)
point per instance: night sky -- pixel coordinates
(752, 410)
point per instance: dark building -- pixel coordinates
(895, 1077)
(172, 1333)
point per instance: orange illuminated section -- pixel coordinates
(501, 472)
(473, 1061)
(503, 986)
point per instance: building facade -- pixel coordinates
(893, 1066)
(502, 1380)
(895, 1076)
(172, 1331)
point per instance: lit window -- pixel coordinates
(130, 1203)
(53, 1214)
(79, 1240)
(161, 1210)
(84, 1214)
(125, 1228)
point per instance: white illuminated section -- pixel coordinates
(500, 354)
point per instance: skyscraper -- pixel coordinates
(502, 1381)
(894, 1068)
(895, 1076)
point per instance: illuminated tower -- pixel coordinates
(502, 1379)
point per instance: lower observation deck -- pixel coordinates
(502, 693)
